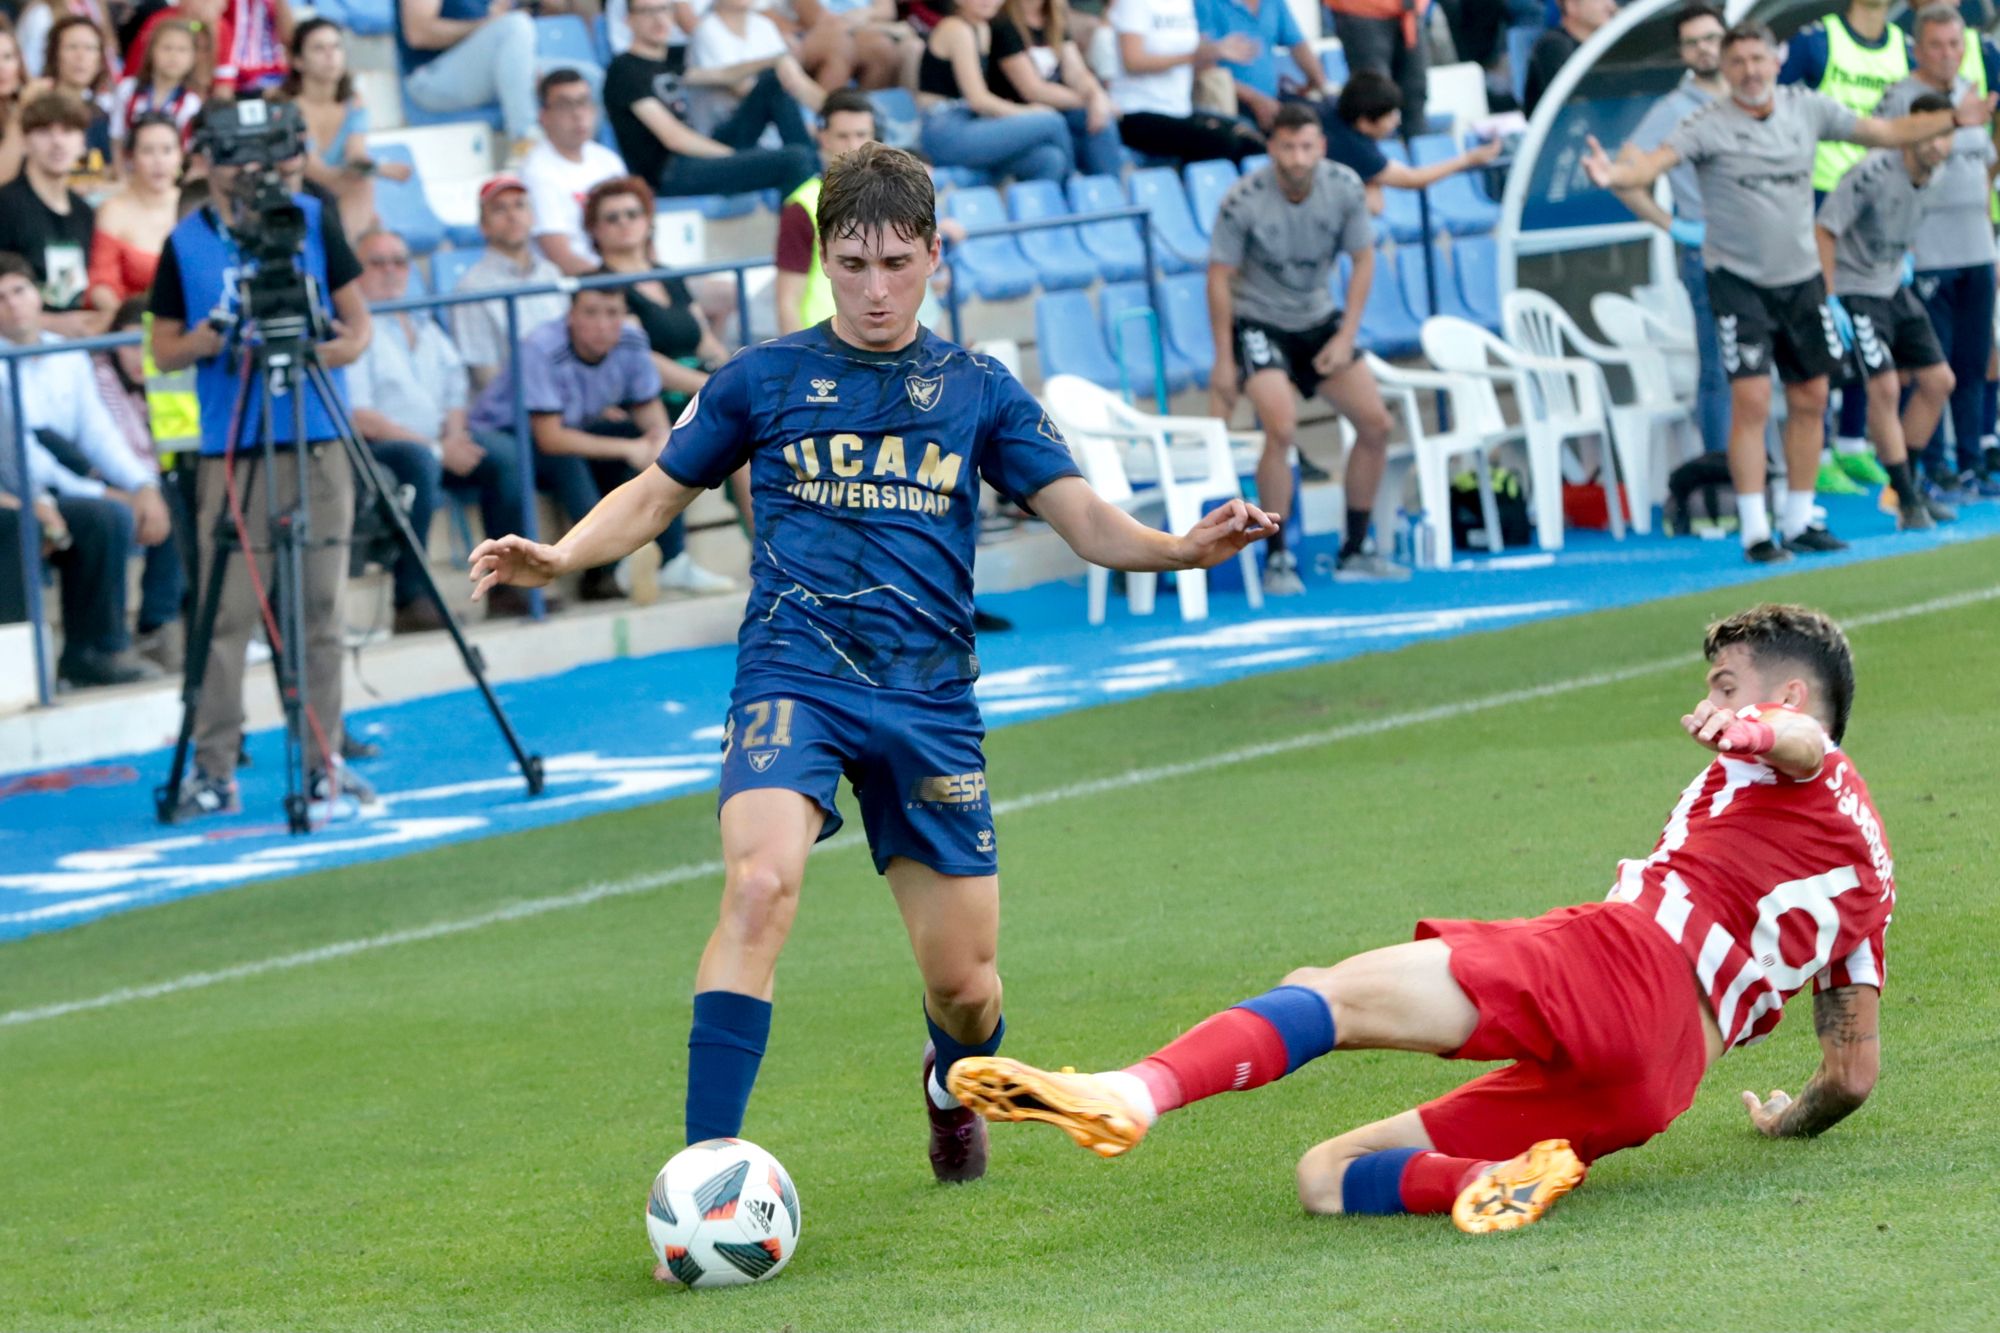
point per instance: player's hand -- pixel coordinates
(514, 561)
(1482, 155)
(1597, 164)
(1336, 356)
(1768, 1113)
(1721, 730)
(1843, 323)
(1224, 532)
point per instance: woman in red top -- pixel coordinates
(133, 224)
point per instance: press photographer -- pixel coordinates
(257, 235)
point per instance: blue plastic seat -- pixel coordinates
(717, 207)
(414, 115)
(600, 39)
(1130, 340)
(992, 267)
(1478, 272)
(898, 123)
(402, 205)
(1178, 243)
(1061, 262)
(960, 178)
(1116, 246)
(1184, 301)
(566, 37)
(1207, 183)
(1411, 284)
(1387, 326)
(417, 284)
(448, 266)
(368, 18)
(1402, 217)
(1067, 339)
(1254, 162)
(1458, 204)
(1521, 41)
(1333, 61)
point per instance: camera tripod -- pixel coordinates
(285, 361)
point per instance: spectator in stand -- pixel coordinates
(1387, 36)
(1260, 81)
(38, 17)
(47, 223)
(506, 222)
(459, 55)
(618, 30)
(1552, 50)
(594, 414)
(1369, 110)
(13, 80)
(619, 217)
(162, 84)
(1160, 45)
(409, 393)
(822, 43)
(213, 32)
(649, 116)
(565, 166)
(1036, 60)
(121, 387)
(733, 50)
(75, 59)
(133, 224)
(61, 412)
(879, 40)
(336, 124)
(966, 123)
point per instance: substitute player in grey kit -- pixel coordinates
(1864, 230)
(1753, 154)
(1280, 336)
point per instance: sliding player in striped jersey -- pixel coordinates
(1773, 872)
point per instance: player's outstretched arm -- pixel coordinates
(1848, 1021)
(1106, 535)
(1792, 742)
(622, 522)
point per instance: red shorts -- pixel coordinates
(1597, 1009)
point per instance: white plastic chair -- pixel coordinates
(1189, 474)
(1477, 428)
(1558, 399)
(1640, 427)
(1666, 373)
(1098, 445)
(1628, 323)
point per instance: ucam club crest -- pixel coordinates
(924, 392)
(760, 760)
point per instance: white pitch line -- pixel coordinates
(1138, 777)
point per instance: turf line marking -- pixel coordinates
(1138, 777)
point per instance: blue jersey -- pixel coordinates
(864, 477)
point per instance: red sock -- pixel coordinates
(1234, 1050)
(1432, 1181)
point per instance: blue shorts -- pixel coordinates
(913, 759)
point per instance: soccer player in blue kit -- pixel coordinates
(866, 436)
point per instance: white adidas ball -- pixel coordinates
(723, 1212)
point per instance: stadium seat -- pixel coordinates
(368, 18)
(1132, 338)
(1254, 162)
(402, 205)
(1388, 329)
(418, 283)
(1477, 265)
(1477, 428)
(721, 207)
(1117, 247)
(1178, 244)
(1412, 283)
(959, 178)
(1207, 183)
(566, 37)
(488, 115)
(1402, 216)
(1629, 324)
(1057, 253)
(992, 267)
(1099, 448)
(1184, 309)
(600, 39)
(1450, 300)
(898, 123)
(448, 266)
(1521, 41)
(1067, 335)
(1333, 62)
(1458, 204)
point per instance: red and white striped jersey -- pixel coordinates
(1767, 882)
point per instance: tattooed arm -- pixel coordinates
(1847, 1019)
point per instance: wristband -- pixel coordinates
(1748, 736)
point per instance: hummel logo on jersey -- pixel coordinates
(760, 760)
(1753, 355)
(924, 393)
(823, 392)
(763, 1210)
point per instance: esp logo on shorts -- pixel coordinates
(951, 789)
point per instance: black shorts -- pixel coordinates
(1261, 346)
(1892, 333)
(1761, 327)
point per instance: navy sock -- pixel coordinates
(1302, 1019)
(725, 1046)
(1989, 406)
(1374, 1184)
(950, 1050)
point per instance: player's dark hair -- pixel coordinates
(845, 101)
(615, 293)
(554, 79)
(1749, 31)
(1797, 636)
(1690, 13)
(152, 120)
(1369, 95)
(56, 108)
(1929, 102)
(13, 266)
(1295, 116)
(877, 186)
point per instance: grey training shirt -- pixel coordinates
(1665, 116)
(1282, 251)
(1956, 230)
(1873, 214)
(1756, 181)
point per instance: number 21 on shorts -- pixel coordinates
(767, 728)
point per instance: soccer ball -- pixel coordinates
(722, 1213)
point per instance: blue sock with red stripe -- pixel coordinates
(725, 1047)
(1404, 1180)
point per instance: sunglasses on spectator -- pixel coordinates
(1709, 39)
(621, 215)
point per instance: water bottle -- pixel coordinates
(1402, 541)
(1423, 552)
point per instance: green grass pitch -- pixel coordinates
(459, 1132)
